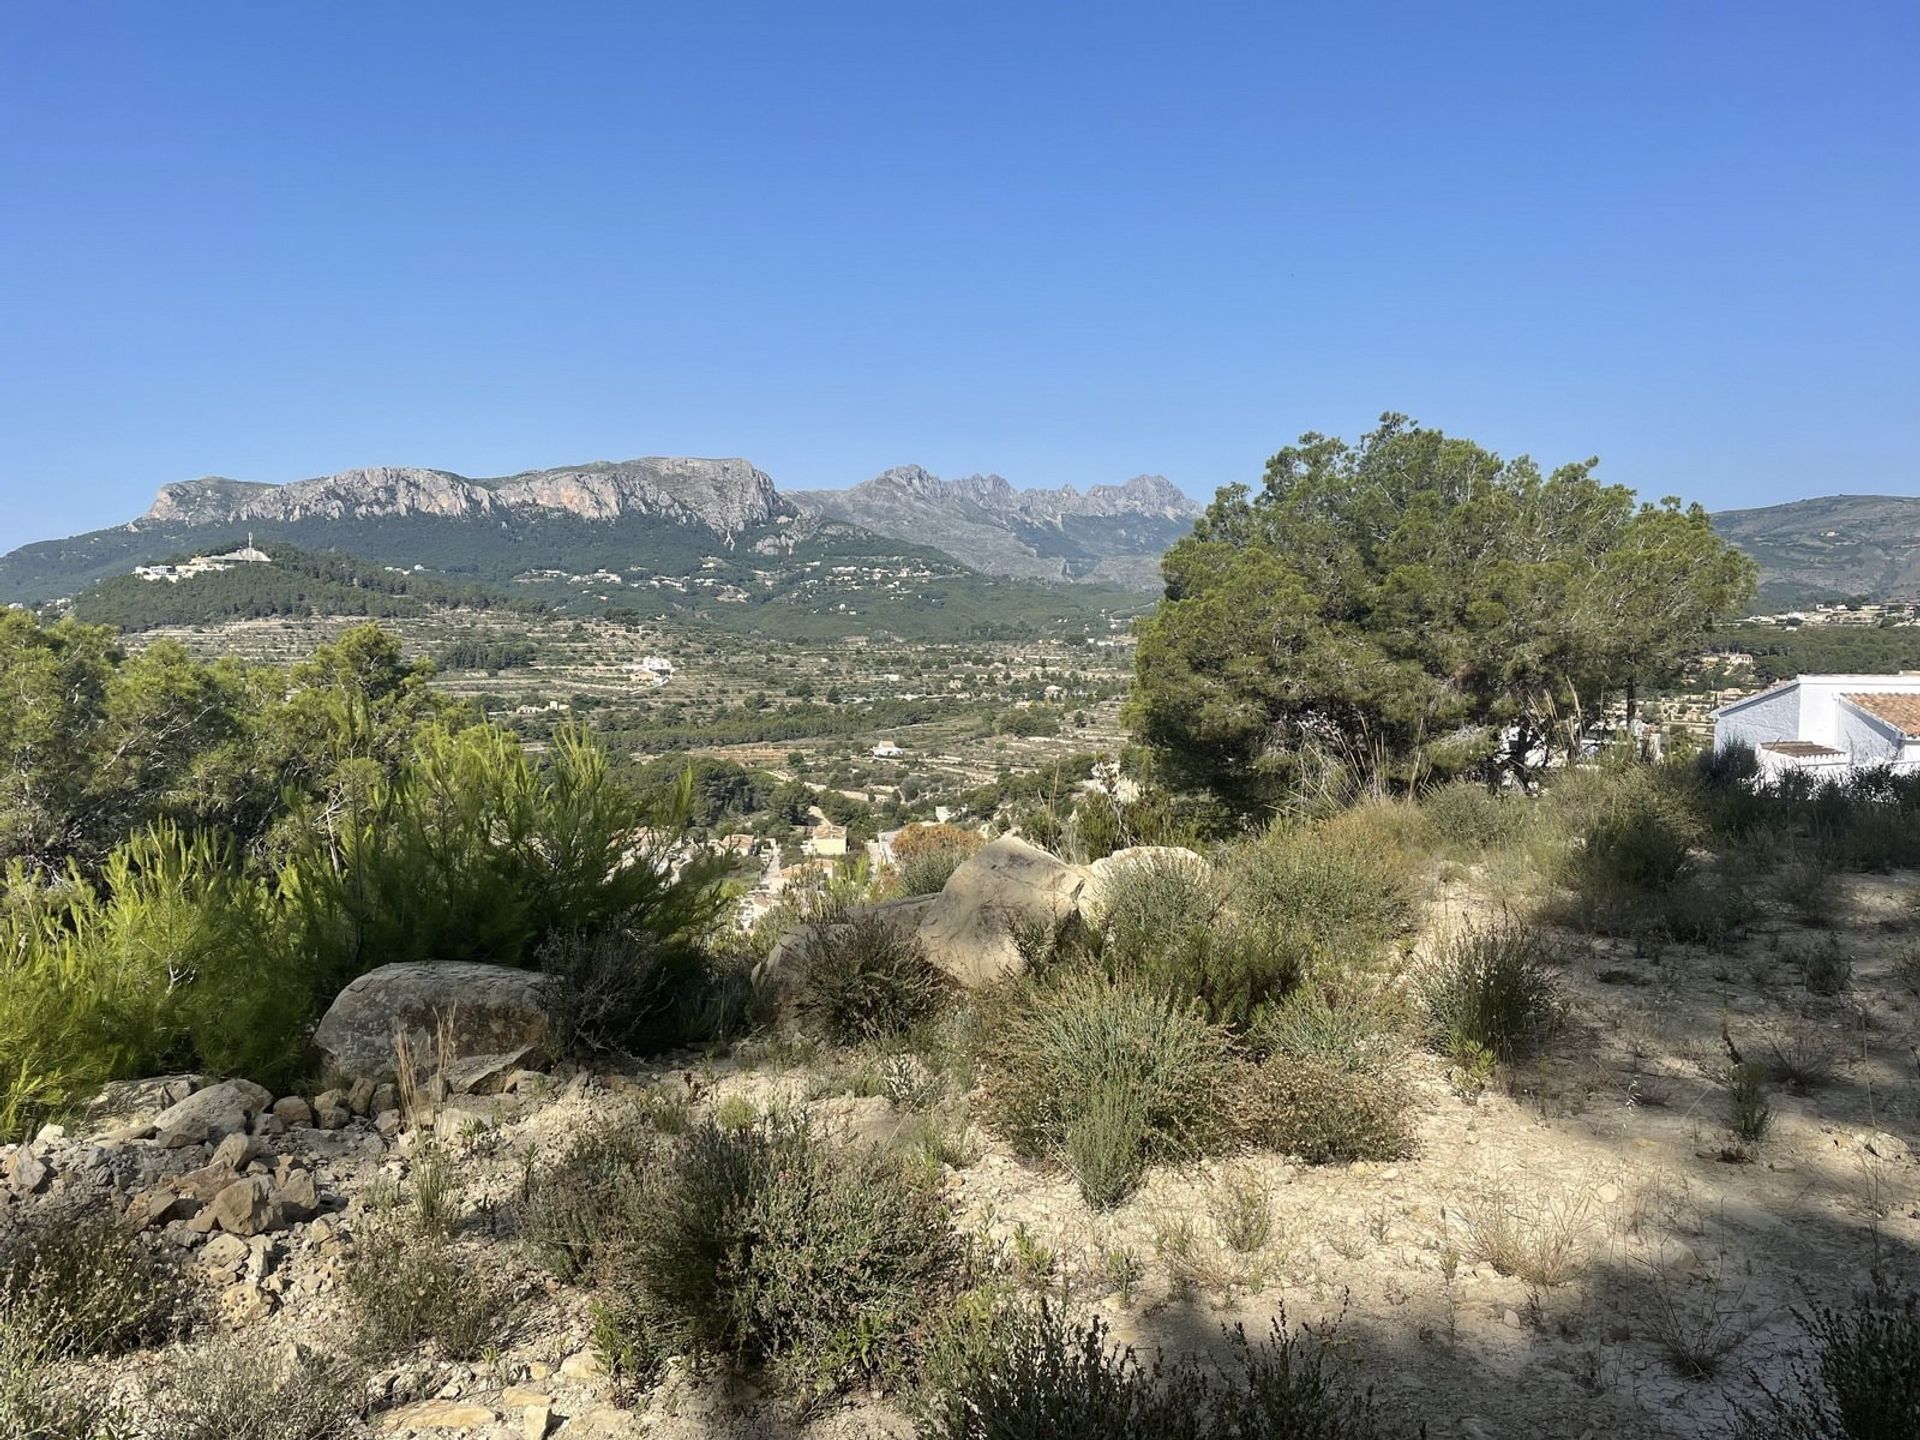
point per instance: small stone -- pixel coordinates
(163, 1208)
(225, 1253)
(385, 1098)
(332, 1117)
(583, 1365)
(514, 1397)
(51, 1134)
(269, 1126)
(293, 1110)
(235, 1151)
(387, 1125)
(539, 1370)
(26, 1172)
(245, 1304)
(1511, 1318)
(246, 1207)
(443, 1415)
(537, 1420)
(360, 1096)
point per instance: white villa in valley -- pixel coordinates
(1829, 724)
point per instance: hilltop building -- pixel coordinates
(204, 564)
(1829, 724)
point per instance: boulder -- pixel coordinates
(134, 1102)
(211, 1114)
(1101, 873)
(482, 1010)
(968, 929)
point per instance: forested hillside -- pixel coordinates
(297, 582)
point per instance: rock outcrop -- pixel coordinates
(456, 1015)
(969, 930)
(727, 496)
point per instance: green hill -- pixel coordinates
(293, 582)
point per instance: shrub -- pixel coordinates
(171, 958)
(37, 1400)
(1862, 1383)
(1326, 1112)
(621, 992)
(246, 1389)
(1022, 1373)
(1319, 896)
(928, 872)
(1466, 815)
(1053, 1054)
(407, 1287)
(581, 1208)
(867, 978)
(474, 851)
(1811, 890)
(1638, 826)
(1106, 1144)
(1346, 1032)
(1749, 1113)
(93, 1286)
(768, 1245)
(1494, 988)
(1826, 969)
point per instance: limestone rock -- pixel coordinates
(293, 1111)
(485, 1009)
(211, 1114)
(25, 1171)
(246, 1207)
(968, 930)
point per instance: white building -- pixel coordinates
(1829, 724)
(887, 750)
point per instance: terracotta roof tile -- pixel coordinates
(1899, 709)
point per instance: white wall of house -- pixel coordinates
(1813, 708)
(1771, 715)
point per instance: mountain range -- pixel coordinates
(1834, 547)
(1111, 532)
(705, 534)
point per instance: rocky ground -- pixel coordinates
(1579, 1251)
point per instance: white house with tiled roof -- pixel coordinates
(1829, 724)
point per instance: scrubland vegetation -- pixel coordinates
(1577, 1089)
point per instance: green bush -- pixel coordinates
(1321, 897)
(248, 1389)
(1055, 1057)
(474, 852)
(91, 1286)
(406, 1288)
(770, 1246)
(1016, 1372)
(927, 872)
(867, 978)
(1467, 816)
(582, 1207)
(1324, 1111)
(1861, 1383)
(1641, 842)
(172, 959)
(1494, 988)
(1359, 1032)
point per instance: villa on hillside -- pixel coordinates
(1828, 724)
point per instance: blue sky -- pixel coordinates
(1066, 243)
